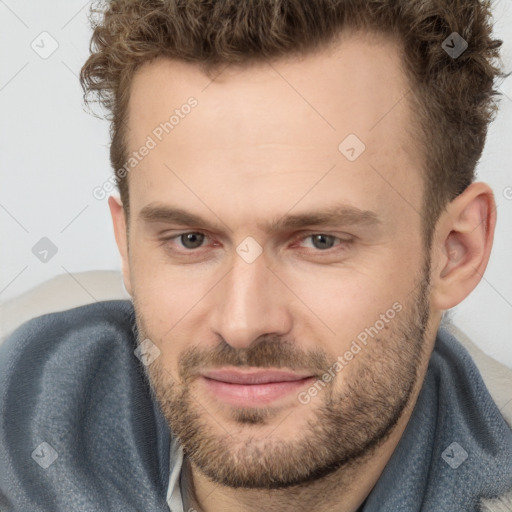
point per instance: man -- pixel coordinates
(297, 210)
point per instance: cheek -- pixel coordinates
(172, 301)
(159, 297)
(352, 298)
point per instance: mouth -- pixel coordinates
(252, 388)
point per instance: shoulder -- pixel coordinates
(74, 396)
(63, 350)
(497, 377)
(64, 333)
(63, 340)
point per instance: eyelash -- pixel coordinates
(343, 242)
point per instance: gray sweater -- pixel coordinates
(80, 430)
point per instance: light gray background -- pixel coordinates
(54, 154)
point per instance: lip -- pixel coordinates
(249, 389)
(254, 377)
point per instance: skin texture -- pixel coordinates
(262, 143)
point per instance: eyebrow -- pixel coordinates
(335, 215)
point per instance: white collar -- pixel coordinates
(174, 498)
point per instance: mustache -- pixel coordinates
(269, 352)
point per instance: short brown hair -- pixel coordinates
(453, 97)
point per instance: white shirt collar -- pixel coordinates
(174, 498)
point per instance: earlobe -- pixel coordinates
(119, 223)
(464, 240)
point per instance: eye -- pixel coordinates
(191, 240)
(321, 241)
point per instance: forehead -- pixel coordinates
(277, 125)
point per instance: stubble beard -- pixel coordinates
(344, 428)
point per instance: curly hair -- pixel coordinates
(454, 99)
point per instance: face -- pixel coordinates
(301, 252)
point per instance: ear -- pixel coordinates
(462, 245)
(119, 221)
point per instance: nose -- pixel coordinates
(250, 302)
